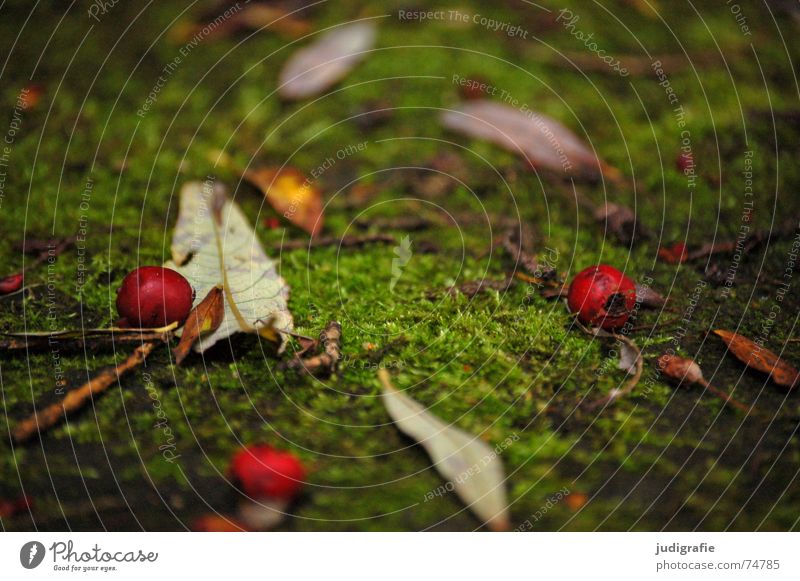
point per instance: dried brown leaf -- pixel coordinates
(680, 369)
(291, 195)
(205, 318)
(760, 358)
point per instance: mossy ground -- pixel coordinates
(501, 364)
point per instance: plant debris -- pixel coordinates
(325, 362)
(472, 466)
(291, 195)
(620, 221)
(320, 65)
(205, 318)
(682, 370)
(76, 399)
(219, 246)
(513, 246)
(630, 362)
(542, 141)
(758, 357)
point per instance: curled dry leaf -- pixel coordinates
(760, 358)
(680, 369)
(647, 297)
(205, 318)
(630, 361)
(546, 143)
(315, 68)
(291, 195)
(470, 464)
(213, 244)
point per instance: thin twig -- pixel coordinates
(42, 420)
(615, 393)
(345, 242)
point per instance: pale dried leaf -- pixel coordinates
(545, 142)
(214, 244)
(314, 68)
(461, 458)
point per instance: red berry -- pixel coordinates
(602, 296)
(153, 296)
(265, 472)
(11, 283)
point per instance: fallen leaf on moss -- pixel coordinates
(314, 68)
(464, 460)
(205, 318)
(543, 141)
(225, 21)
(760, 358)
(291, 195)
(685, 371)
(213, 244)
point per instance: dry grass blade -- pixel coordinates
(42, 420)
(471, 465)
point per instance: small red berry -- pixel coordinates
(602, 296)
(265, 472)
(153, 296)
(684, 163)
(11, 283)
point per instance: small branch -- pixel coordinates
(345, 242)
(725, 396)
(41, 421)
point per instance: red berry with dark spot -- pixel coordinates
(154, 296)
(265, 472)
(602, 297)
